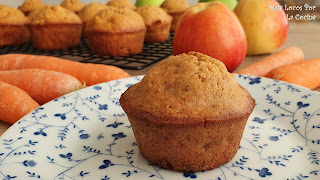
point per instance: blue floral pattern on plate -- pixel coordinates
(86, 135)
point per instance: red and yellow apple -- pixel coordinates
(212, 29)
(230, 3)
(266, 27)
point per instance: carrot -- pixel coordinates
(261, 68)
(85, 72)
(14, 103)
(41, 85)
(304, 73)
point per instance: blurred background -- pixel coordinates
(15, 3)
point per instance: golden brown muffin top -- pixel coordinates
(187, 89)
(116, 20)
(53, 14)
(10, 15)
(90, 10)
(122, 4)
(152, 14)
(175, 6)
(30, 5)
(72, 5)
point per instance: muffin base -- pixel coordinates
(189, 147)
(116, 44)
(55, 36)
(158, 32)
(13, 35)
(83, 33)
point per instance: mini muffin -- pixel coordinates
(88, 11)
(30, 5)
(176, 9)
(13, 26)
(73, 5)
(188, 113)
(122, 4)
(116, 32)
(158, 23)
(54, 27)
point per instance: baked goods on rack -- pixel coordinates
(122, 4)
(88, 11)
(54, 27)
(13, 26)
(73, 5)
(157, 21)
(116, 32)
(188, 113)
(176, 9)
(30, 5)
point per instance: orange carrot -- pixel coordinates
(41, 85)
(261, 68)
(304, 73)
(14, 103)
(85, 72)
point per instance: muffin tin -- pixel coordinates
(150, 54)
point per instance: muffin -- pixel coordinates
(188, 113)
(88, 11)
(116, 32)
(176, 9)
(73, 5)
(54, 27)
(30, 5)
(122, 4)
(13, 26)
(157, 21)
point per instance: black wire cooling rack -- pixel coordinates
(151, 53)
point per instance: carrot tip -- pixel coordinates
(276, 77)
(83, 85)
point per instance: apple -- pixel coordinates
(230, 3)
(266, 28)
(149, 2)
(212, 29)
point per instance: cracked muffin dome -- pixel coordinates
(189, 85)
(188, 113)
(116, 32)
(13, 26)
(73, 5)
(54, 14)
(10, 15)
(30, 5)
(158, 23)
(122, 4)
(88, 12)
(176, 9)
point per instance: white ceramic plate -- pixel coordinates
(86, 135)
